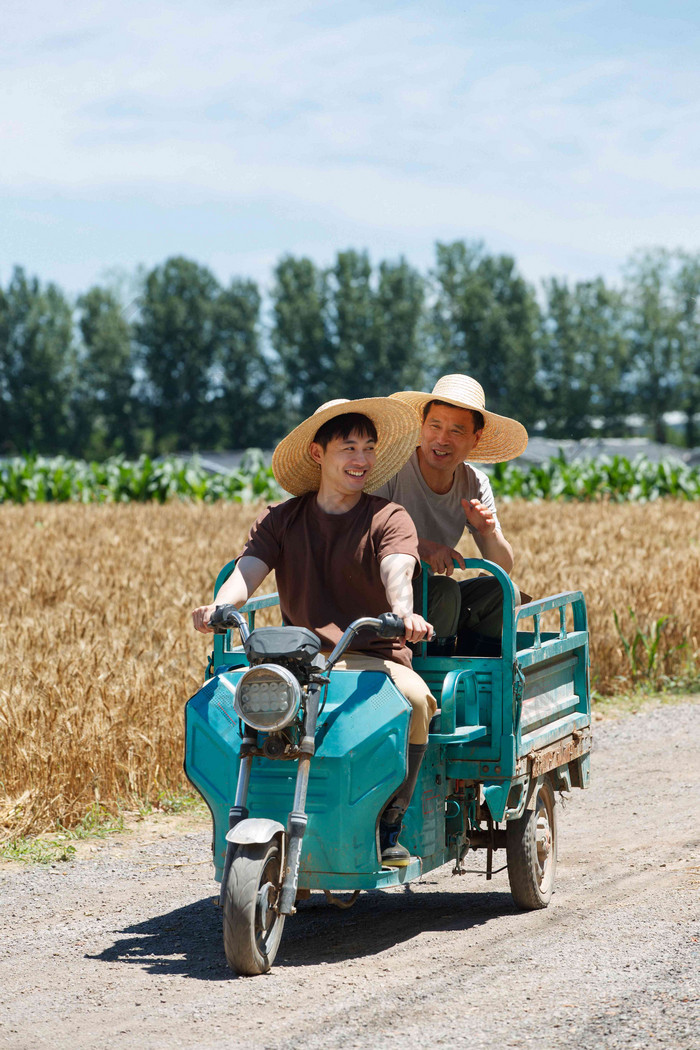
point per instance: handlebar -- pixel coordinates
(226, 616)
(388, 625)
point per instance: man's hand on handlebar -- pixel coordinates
(201, 618)
(417, 628)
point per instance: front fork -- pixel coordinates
(239, 810)
(297, 820)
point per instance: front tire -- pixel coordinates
(531, 851)
(252, 928)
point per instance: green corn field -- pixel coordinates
(35, 479)
(615, 478)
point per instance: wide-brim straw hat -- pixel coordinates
(398, 433)
(502, 438)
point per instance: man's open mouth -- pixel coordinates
(356, 473)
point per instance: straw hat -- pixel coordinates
(502, 438)
(398, 433)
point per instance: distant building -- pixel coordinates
(539, 450)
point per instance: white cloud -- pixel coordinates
(412, 120)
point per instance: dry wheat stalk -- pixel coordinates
(99, 656)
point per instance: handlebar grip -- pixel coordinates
(221, 619)
(391, 626)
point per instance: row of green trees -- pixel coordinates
(188, 363)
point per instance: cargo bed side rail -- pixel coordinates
(552, 644)
(551, 696)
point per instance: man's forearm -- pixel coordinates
(396, 571)
(496, 548)
(245, 579)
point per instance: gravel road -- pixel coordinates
(121, 948)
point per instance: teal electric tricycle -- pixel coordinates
(297, 760)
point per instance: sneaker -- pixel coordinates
(394, 855)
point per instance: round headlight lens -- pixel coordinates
(267, 697)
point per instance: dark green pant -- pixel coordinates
(465, 605)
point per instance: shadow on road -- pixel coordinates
(188, 941)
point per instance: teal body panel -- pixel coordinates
(360, 761)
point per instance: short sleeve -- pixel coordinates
(263, 540)
(396, 534)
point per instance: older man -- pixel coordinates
(340, 553)
(444, 495)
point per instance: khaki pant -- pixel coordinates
(407, 681)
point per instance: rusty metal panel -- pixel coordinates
(560, 754)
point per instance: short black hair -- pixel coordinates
(477, 417)
(343, 426)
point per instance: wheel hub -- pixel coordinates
(544, 841)
(264, 906)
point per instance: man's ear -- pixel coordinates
(477, 436)
(316, 452)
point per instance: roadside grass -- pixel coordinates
(98, 823)
(644, 694)
(184, 801)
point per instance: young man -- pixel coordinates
(340, 553)
(444, 494)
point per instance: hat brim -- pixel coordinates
(398, 434)
(502, 438)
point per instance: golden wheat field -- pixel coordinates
(98, 655)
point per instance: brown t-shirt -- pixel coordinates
(327, 565)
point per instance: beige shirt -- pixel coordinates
(439, 517)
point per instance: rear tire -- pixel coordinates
(252, 928)
(531, 850)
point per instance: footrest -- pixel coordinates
(462, 735)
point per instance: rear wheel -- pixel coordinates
(252, 927)
(531, 850)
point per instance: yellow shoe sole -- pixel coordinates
(400, 862)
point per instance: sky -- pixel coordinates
(564, 134)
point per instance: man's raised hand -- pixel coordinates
(479, 516)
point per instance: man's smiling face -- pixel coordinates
(346, 463)
(447, 437)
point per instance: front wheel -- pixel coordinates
(531, 851)
(252, 927)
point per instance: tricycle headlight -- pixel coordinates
(267, 697)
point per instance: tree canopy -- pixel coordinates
(193, 364)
